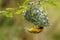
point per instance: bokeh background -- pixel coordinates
(13, 28)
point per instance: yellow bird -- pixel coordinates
(36, 29)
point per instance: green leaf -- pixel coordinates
(2, 12)
(19, 11)
(23, 7)
(9, 9)
(9, 15)
(43, 5)
(53, 3)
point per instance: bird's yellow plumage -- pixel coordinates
(35, 29)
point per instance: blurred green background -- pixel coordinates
(13, 28)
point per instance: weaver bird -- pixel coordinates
(35, 29)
